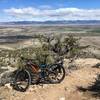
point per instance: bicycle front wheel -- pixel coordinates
(22, 80)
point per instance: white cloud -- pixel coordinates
(54, 14)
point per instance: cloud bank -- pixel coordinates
(54, 14)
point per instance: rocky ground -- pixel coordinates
(67, 90)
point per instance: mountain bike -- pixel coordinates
(34, 74)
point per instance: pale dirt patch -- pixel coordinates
(66, 90)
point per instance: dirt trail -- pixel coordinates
(67, 90)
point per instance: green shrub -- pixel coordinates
(52, 48)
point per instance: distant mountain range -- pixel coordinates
(51, 22)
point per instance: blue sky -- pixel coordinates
(41, 10)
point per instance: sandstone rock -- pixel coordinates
(31, 89)
(62, 98)
(8, 86)
(6, 77)
(45, 85)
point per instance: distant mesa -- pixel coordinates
(51, 22)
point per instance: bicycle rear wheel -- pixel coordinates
(22, 80)
(56, 74)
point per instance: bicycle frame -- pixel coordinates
(41, 69)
